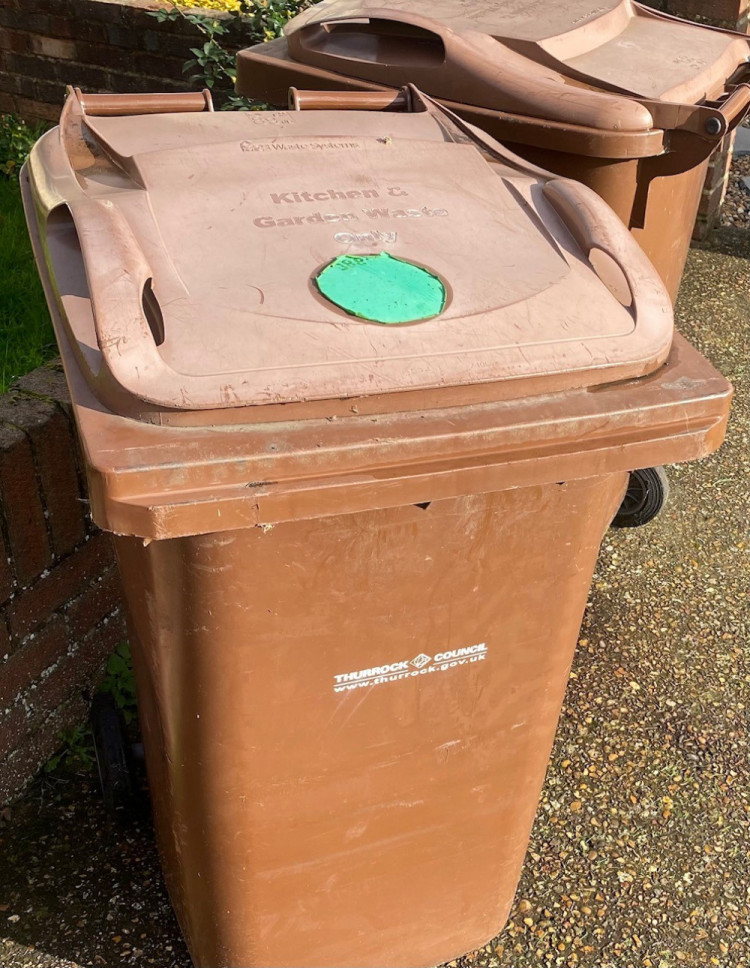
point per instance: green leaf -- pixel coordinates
(116, 664)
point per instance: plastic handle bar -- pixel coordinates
(348, 101)
(735, 107)
(117, 105)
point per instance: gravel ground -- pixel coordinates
(736, 210)
(639, 856)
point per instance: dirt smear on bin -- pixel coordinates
(640, 851)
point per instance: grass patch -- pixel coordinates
(26, 336)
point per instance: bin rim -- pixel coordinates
(158, 483)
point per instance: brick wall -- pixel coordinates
(98, 45)
(714, 190)
(60, 611)
(721, 13)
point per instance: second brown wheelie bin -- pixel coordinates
(358, 395)
(628, 101)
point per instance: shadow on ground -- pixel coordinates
(639, 855)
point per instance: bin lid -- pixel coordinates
(612, 45)
(234, 259)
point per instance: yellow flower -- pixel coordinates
(211, 4)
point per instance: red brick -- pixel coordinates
(64, 582)
(24, 412)
(35, 655)
(77, 29)
(47, 382)
(703, 228)
(141, 83)
(101, 641)
(22, 506)
(105, 55)
(711, 200)
(80, 75)
(9, 82)
(718, 170)
(6, 575)
(50, 93)
(5, 642)
(95, 603)
(55, 460)
(33, 110)
(54, 452)
(26, 86)
(169, 44)
(159, 65)
(721, 12)
(33, 22)
(121, 36)
(59, 7)
(61, 675)
(98, 12)
(20, 767)
(76, 673)
(14, 726)
(15, 40)
(31, 66)
(55, 47)
(61, 697)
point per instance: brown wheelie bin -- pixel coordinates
(358, 394)
(628, 101)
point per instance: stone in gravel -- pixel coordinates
(742, 141)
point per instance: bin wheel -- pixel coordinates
(647, 493)
(113, 757)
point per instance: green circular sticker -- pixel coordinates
(382, 288)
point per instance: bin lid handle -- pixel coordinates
(473, 67)
(119, 281)
(594, 226)
(121, 105)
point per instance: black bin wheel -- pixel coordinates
(113, 754)
(647, 493)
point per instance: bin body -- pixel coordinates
(630, 102)
(362, 822)
(355, 553)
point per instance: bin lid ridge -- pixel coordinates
(232, 219)
(522, 19)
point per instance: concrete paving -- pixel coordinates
(639, 856)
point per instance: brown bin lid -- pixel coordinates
(450, 48)
(185, 249)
